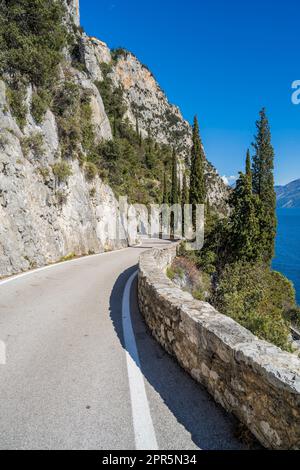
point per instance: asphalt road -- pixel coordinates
(69, 382)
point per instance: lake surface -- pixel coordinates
(287, 259)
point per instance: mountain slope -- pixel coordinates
(289, 195)
(149, 108)
(59, 156)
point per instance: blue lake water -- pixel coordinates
(287, 258)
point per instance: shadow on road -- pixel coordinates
(209, 425)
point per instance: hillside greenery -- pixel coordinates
(238, 250)
(32, 38)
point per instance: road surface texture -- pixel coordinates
(69, 382)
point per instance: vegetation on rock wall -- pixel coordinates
(32, 38)
(134, 166)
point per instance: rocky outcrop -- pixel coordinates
(72, 7)
(148, 106)
(42, 219)
(250, 378)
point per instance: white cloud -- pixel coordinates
(229, 180)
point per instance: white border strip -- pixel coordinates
(56, 265)
(144, 432)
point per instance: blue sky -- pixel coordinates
(222, 60)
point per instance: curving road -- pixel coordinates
(70, 383)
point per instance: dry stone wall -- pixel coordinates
(250, 378)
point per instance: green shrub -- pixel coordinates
(34, 144)
(67, 99)
(112, 97)
(175, 271)
(61, 197)
(171, 273)
(3, 141)
(16, 98)
(69, 132)
(118, 53)
(93, 192)
(68, 257)
(198, 294)
(293, 316)
(257, 298)
(91, 171)
(39, 104)
(44, 172)
(87, 128)
(72, 108)
(32, 36)
(62, 171)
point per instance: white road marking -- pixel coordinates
(144, 432)
(49, 266)
(2, 353)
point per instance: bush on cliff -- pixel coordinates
(32, 36)
(62, 171)
(257, 298)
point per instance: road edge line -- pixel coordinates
(15, 277)
(144, 433)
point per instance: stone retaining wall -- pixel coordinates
(254, 380)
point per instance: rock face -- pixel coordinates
(251, 378)
(148, 105)
(73, 10)
(43, 219)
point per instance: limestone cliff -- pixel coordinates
(72, 7)
(148, 105)
(44, 217)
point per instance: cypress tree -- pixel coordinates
(174, 199)
(184, 199)
(263, 185)
(248, 166)
(244, 220)
(174, 189)
(197, 182)
(165, 188)
(165, 200)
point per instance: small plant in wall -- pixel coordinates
(61, 197)
(33, 145)
(93, 192)
(44, 172)
(62, 171)
(91, 171)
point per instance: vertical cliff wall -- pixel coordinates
(46, 215)
(148, 105)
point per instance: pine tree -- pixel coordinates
(263, 185)
(174, 199)
(244, 219)
(197, 181)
